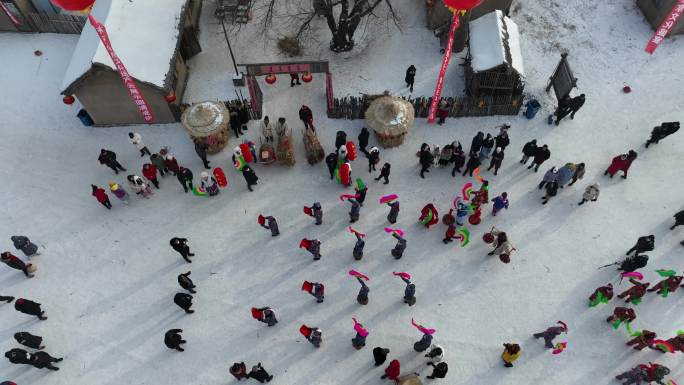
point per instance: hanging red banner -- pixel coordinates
(669, 22)
(132, 88)
(9, 14)
(445, 63)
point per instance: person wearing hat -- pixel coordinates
(29, 307)
(29, 340)
(118, 192)
(181, 246)
(173, 339)
(25, 245)
(184, 301)
(186, 283)
(510, 354)
(108, 158)
(552, 332)
(14, 262)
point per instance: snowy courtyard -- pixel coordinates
(107, 278)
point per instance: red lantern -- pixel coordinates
(68, 100)
(74, 5)
(307, 77)
(171, 97)
(270, 79)
(461, 5)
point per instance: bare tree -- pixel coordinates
(343, 18)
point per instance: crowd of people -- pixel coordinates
(486, 153)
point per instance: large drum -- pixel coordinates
(208, 121)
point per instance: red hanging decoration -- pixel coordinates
(456, 7)
(68, 100)
(461, 5)
(171, 97)
(307, 77)
(270, 79)
(74, 5)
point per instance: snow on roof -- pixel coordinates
(144, 35)
(495, 40)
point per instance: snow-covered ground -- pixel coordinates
(107, 279)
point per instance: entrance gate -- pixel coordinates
(305, 67)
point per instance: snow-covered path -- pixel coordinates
(107, 279)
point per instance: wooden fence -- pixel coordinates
(57, 23)
(352, 107)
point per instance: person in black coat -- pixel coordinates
(29, 307)
(186, 283)
(7, 299)
(502, 140)
(29, 340)
(384, 173)
(260, 374)
(661, 132)
(541, 155)
(373, 159)
(173, 339)
(439, 370)
(243, 117)
(42, 360)
(18, 356)
(340, 139)
(633, 263)
(363, 140)
(459, 160)
(108, 158)
(250, 177)
(201, 148)
(410, 77)
(306, 116)
(185, 178)
(181, 246)
(426, 160)
(473, 163)
(643, 244)
(497, 158)
(380, 355)
(184, 301)
(331, 162)
(235, 124)
(575, 104)
(476, 144)
(679, 219)
(529, 149)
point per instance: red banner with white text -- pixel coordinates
(669, 22)
(445, 63)
(132, 88)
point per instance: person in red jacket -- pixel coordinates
(392, 371)
(14, 262)
(621, 163)
(149, 171)
(172, 164)
(442, 112)
(429, 215)
(101, 196)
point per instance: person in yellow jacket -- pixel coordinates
(510, 354)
